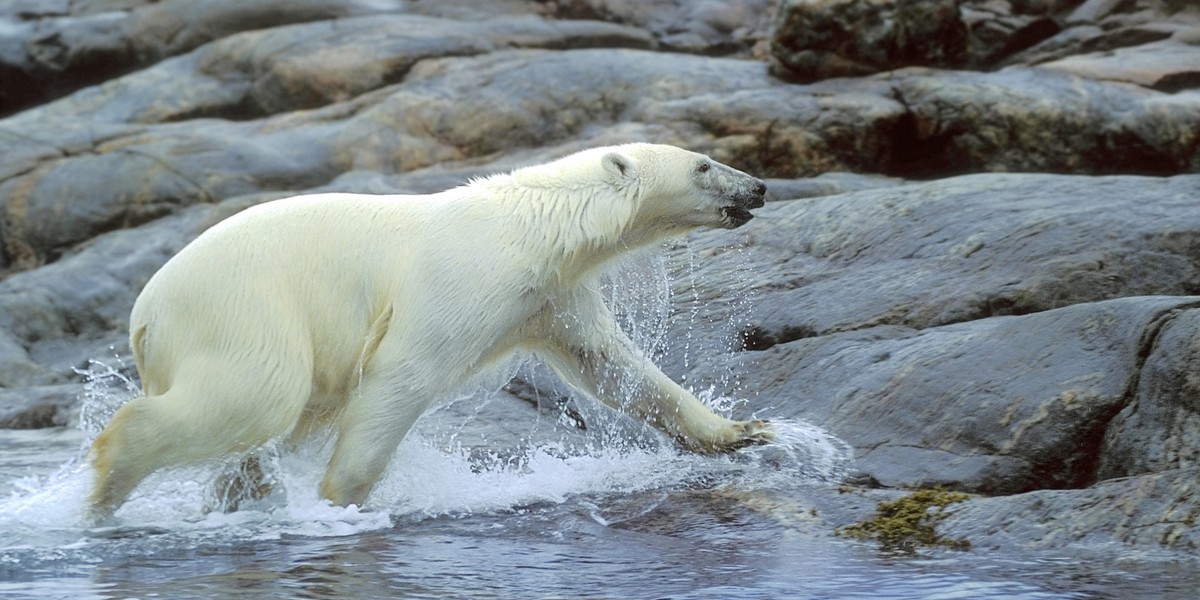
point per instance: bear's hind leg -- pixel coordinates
(195, 420)
(135, 443)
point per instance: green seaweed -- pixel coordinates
(910, 522)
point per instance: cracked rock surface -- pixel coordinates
(980, 267)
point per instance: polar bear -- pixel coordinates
(357, 312)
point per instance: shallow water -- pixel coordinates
(545, 513)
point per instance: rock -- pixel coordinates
(38, 407)
(920, 123)
(826, 184)
(996, 406)
(998, 31)
(819, 39)
(79, 188)
(58, 317)
(1149, 511)
(1096, 27)
(710, 27)
(65, 48)
(1021, 119)
(283, 69)
(1168, 66)
(1093, 11)
(962, 249)
(1159, 430)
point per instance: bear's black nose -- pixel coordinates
(761, 189)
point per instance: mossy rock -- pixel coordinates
(910, 522)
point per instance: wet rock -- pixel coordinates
(819, 39)
(1158, 510)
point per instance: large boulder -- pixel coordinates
(1002, 405)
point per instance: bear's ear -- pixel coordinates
(619, 166)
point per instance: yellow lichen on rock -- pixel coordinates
(909, 522)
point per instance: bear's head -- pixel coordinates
(676, 190)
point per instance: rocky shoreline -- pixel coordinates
(980, 267)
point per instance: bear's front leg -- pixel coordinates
(674, 410)
(592, 353)
(374, 422)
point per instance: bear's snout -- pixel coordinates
(760, 194)
(752, 195)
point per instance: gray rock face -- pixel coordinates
(1157, 510)
(51, 48)
(818, 39)
(1027, 332)
(1027, 409)
(1158, 430)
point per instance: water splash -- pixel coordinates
(106, 386)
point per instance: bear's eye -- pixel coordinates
(703, 168)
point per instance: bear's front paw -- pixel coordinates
(736, 435)
(727, 436)
(749, 433)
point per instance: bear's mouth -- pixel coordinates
(735, 216)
